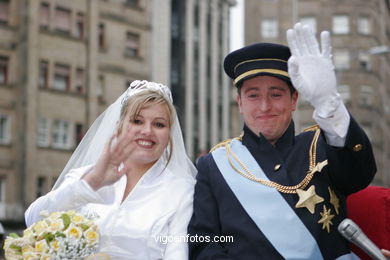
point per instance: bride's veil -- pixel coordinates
(91, 146)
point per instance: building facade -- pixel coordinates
(360, 32)
(200, 34)
(61, 63)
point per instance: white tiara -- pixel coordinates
(141, 85)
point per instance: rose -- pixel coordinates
(59, 235)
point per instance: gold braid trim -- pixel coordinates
(282, 188)
(311, 128)
(226, 141)
(221, 144)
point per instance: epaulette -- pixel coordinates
(220, 144)
(311, 128)
(224, 142)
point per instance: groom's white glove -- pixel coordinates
(312, 73)
(311, 69)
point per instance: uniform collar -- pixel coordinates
(287, 139)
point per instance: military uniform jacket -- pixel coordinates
(218, 212)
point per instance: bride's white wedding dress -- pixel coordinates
(157, 209)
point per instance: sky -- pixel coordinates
(237, 26)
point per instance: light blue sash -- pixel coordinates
(267, 208)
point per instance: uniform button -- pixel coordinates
(277, 167)
(357, 147)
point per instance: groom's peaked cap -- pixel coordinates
(258, 59)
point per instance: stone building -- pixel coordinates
(200, 33)
(61, 63)
(360, 32)
(190, 40)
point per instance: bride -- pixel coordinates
(131, 170)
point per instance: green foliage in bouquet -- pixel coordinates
(60, 235)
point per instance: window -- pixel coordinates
(43, 138)
(3, 70)
(366, 95)
(43, 74)
(132, 44)
(60, 136)
(340, 24)
(133, 3)
(175, 26)
(61, 77)
(345, 93)
(44, 19)
(5, 129)
(269, 28)
(101, 36)
(196, 34)
(62, 20)
(2, 189)
(3, 193)
(80, 26)
(80, 81)
(78, 133)
(4, 11)
(341, 59)
(310, 21)
(101, 89)
(175, 74)
(364, 61)
(364, 26)
(41, 186)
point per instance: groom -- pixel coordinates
(279, 195)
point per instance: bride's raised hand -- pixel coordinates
(109, 168)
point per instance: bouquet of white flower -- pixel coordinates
(60, 235)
